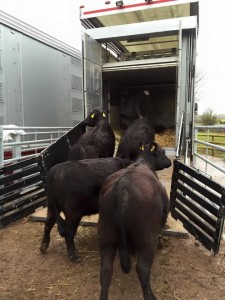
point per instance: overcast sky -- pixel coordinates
(60, 18)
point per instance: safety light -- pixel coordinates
(119, 3)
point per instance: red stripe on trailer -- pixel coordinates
(126, 6)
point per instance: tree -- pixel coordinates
(209, 117)
(199, 80)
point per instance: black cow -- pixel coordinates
(139, 130)
(73, 188)
(133, 207)
(98, 142)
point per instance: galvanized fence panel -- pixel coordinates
(16, 142)
(210, 146)
(23, 181)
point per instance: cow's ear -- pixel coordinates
(103, 114)
(141, 147)
(92, 116)
(153, 147)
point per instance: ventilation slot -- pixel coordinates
(1, 120)
(76, 82)
(77, 105)
(1, 94)
(76, 61)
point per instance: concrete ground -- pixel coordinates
(211, 171)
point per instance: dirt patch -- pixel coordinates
(183, 269)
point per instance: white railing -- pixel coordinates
(206, 160)
(18, 143)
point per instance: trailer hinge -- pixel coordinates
(193, 71)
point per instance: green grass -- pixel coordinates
(214, 138)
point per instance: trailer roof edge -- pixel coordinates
(37, 34)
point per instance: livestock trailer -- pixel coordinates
(132, 45)
(41, 93)
(128, 46)
(40, 77)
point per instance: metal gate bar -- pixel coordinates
(21, 190)
(213, 210)
(199, 203)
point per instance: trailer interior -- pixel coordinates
(137, 60)
(158, 107)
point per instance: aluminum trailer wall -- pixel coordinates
(40, 77)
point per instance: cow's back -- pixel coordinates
(136, 195)
(99, 142)
(139, 131)
(83, 178)
(144, 200)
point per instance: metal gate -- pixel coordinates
(198, 202)
(22, 184)
(21, 190)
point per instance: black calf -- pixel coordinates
(98, 142)
(73, 188)
(133, 207)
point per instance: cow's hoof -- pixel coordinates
(73, 257)
(43, 249)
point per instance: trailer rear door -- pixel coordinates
(199, 203)
(92, 73)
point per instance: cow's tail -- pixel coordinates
(123, 244)
(61, 224)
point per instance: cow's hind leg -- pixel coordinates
(107, 255)
(143, 268)
(49, 223)
(72, 223)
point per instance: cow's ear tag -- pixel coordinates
(92, 116)
(103, 114)
(142, 148)
(152, 149)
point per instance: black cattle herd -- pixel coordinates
(123, 188)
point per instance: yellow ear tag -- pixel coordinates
(92, 116)
(152, 149)
(103, 114)
(142, 148)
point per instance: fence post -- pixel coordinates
(35, 138)
(1, 162)
(195, 147)
(1, 148)
(213, 153)
(207, 150)
(16, 149)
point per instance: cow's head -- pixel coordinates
(155, 156)
(94, 117)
